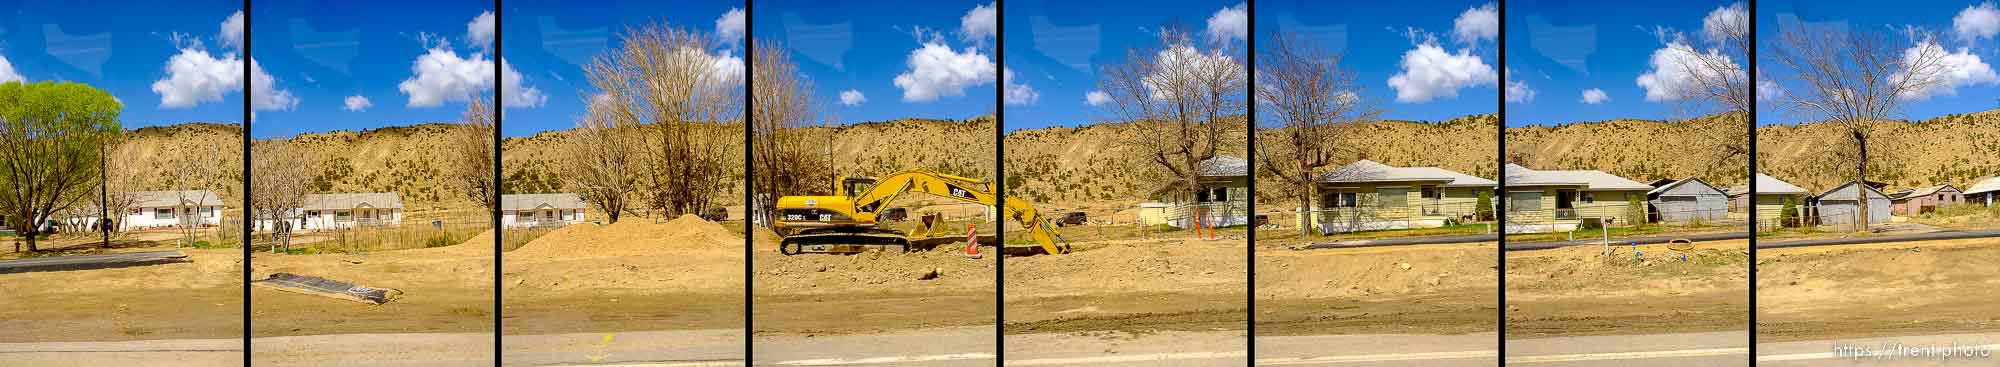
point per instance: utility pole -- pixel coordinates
(103, 195)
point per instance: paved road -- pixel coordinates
(1724, 348)
(1644, 240)
(1982, 348)
(1477, 349)
(1930, 236)
(88, 262)
(1405, 241)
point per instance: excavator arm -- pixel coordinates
(886, 189)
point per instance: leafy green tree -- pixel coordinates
(1485, 206)
(1788, 215)
(52, 139)
(1636, 209)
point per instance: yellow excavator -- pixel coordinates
(846, 221)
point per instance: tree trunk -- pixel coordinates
(1306, 193)
(1861, 183)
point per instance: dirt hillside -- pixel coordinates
(1641, 150)
(1956, 149)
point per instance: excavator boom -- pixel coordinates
(867, 204)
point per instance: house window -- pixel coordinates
(343, 216)
(1392, 197)
(207, 212)
(1526, 201)
(367, 214)
(1432, 192)
(549, 215)
(163, 213)
(1344, 200)
(1221, 194)
(1589, 197)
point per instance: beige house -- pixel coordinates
(1222, 200)
(1366, 196)
(1539, 201)
(1770, 200)
(540, 210)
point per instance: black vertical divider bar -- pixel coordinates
(499, 105)
(1500, 195)
(1250, 152)
(749, 176)
(1000, 187)
(1750, 124)
(247, 212)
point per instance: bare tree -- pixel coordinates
(602, 159)
(470, 164)
(1318, 102)
(784, 157)
(123, 178)
(1854, 79)
(664, 79)
(1183, 102)
(280, 177)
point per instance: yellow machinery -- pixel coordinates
(846, 221)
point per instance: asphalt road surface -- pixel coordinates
(1722, 348)
(1927, 350)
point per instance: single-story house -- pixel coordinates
(1924, 200)
(1366, 195)
(1687, 199)
(1983, 192)
(539, 210)
(1842, 204)
(1772, 193)
(1540, 201)
(343, 210)
(1223, 198)
(159, 209)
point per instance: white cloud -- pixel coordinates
(935, 70)
(1097, 98)
(1959, 68)
(730, 26)
(1976, 22)
(977, 25)
(1431, 73)
(440, 75)
(1595, 96)
(7, 73)
(1517, 90)
(725, 70)
(1676, 67)
(1768, 90)
(264, 92)
(1018, 93)
(1476, 24)
(852, 97)
(232, 31)
(1231, 23)
(194, 77)
(480, 30)
(357, 103)
(513, 93)
(1725, 21)
(1177, 65)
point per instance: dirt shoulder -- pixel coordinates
(1582, 290)
(1132, 285)
(1419, 289)
(1885, 289)
(202, 298)
(873, 292)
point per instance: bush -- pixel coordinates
(1484, 208)
(1788, 215)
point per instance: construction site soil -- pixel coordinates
(1175, 283)
(1420, 289)
(1583, 290)
(1886, 289)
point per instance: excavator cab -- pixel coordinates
(853, 187)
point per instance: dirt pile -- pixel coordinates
(631, 237)
(1586, 271)
(1372, 272)
(479, 245)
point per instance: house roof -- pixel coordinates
(353, 200)
(1767, 185)
(1370, 171)
(1684, 181)
(533, 201)
(1987, 185)
(1843, 193)
(1224, 166)
(155, 199)
(1923, 191)
(1590, 180)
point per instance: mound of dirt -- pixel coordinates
(631, 237)
(941, 269)
(479, 245)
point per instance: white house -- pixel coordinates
(345, 210)
(538, 210)
(160, 209)
(1222, 200)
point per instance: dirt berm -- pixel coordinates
(686, 254)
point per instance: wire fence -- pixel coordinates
(423, 231)
(1812, 217)
(1362, 219)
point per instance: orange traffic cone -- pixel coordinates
(971, 241)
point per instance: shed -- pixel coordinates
(1769, 201)
(1688, 199)
(1984, 192)
(1925, 199)
(1842, 204)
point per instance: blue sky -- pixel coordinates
(1057, 49)
(1966, 30)
(1562, 50)
(122, 47)
(865, 47)
(319, 54)
(550, 41)
(1373, 39)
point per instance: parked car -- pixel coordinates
(715, 214)
(1072, 218)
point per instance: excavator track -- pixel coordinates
(843, 241)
